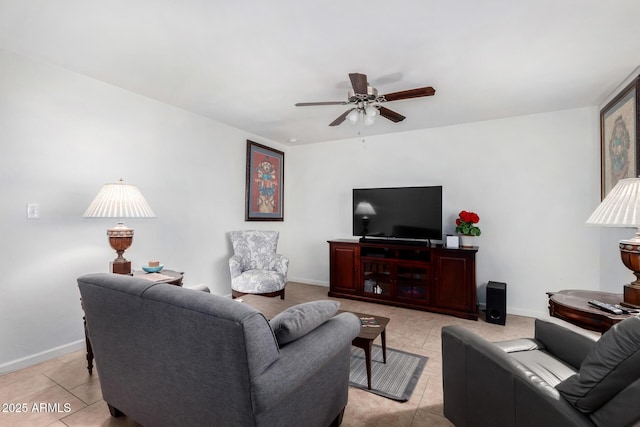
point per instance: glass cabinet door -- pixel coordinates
(412, 282)
(377, 278)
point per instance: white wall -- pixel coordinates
(533, 180)
(63, 136)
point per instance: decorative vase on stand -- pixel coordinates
(467, 241)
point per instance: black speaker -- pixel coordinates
(497, 303)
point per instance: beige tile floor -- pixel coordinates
(72, 397)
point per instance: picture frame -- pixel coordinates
(620, 138)
(264, 192)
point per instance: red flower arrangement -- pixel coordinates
(465, 223)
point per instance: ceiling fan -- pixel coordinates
(367, 103)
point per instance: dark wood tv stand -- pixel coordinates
(430, 278)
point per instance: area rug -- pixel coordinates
(395, 379)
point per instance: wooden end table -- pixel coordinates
(169, 277)
(367, 336)
(573, 307)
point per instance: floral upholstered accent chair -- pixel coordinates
(255, 267)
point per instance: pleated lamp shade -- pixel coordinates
(621, 208)
(119, 200)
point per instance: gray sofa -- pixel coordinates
(169, 356)
(558, 378)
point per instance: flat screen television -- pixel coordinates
(410, 213)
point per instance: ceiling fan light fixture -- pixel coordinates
(353, 116)
(369, 120)
(371, 111)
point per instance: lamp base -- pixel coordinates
(120, 238)
(631, 296)
(121, 267)
(630, 255)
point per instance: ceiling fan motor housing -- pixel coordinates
(372, 94)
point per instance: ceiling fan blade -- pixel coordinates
(411, 93)
(391, 115)
(341, 118)
(359, 83)
(310, 104)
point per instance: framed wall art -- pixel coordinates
(619, 133)
(265, 183)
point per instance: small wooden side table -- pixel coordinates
(367, 336)
(170, 277)
(175, 277)
(573, 307)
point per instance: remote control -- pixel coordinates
(626, 310)
(605, 307)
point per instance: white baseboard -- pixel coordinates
(482, 306)
(528, 313)
(34, 359)
(308, 281)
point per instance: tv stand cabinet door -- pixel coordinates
(345, 262)
(455, 283)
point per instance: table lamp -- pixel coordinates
(621, 208)
(365, 209)
(119, 200)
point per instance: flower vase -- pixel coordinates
(467, 241)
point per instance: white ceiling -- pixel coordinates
(246, 63)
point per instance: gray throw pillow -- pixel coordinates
(612, 364)
(299, 320)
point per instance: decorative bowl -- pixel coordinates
(152, 269)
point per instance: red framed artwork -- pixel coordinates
(265, 183)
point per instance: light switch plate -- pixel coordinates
(33, 211)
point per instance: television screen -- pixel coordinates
(401, 212)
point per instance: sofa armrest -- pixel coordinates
(484, 385)
(569, 346)
(199, 287)
(304, 358)
(475, 375)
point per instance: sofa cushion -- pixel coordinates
(611, 365)
(301, 319)
(546, 366)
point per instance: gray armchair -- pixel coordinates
(559, 378)
(169, 356)
(255, 266)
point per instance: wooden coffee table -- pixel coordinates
(368, 333)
